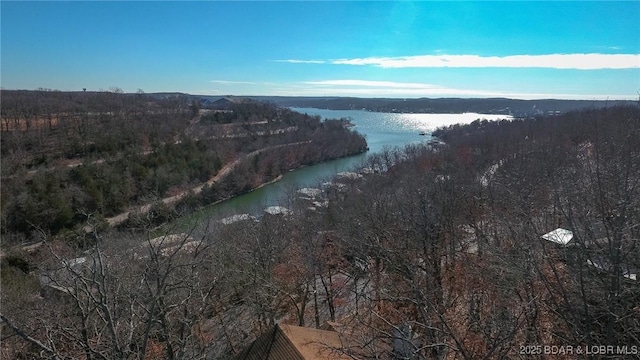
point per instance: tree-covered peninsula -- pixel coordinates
(71, 157)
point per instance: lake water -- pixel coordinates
(380, 129)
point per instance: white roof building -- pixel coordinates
(559, 236)
(277, 210)
(235, 218)
(350, 175)
(310, 193)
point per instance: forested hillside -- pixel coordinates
(71, 157)
(515, 107)
(429, 252)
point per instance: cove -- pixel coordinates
(381, 130)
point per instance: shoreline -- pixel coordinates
(207, 208)
(114, 221)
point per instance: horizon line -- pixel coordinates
(564, 97)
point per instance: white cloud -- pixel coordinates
(367, 88)
(592, 61)
(382, 88)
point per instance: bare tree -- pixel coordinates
(127, 301)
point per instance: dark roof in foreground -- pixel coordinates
(288, 342)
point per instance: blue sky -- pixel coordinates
(584, 50)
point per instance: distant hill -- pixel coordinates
(519, 108)
(515, 107)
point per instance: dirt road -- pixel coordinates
(143, 209)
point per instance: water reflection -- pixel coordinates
(381, 130)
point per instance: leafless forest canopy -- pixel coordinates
(71, 157)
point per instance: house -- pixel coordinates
(168, 240)
(309, 193)
(225, 103)
(221, 104)
(597, 239)
(167, 245)
(277, 210)
(348, 175)
(593, 236)
(237, 218)
(288, 342)
(602, 263)
(559, 236)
